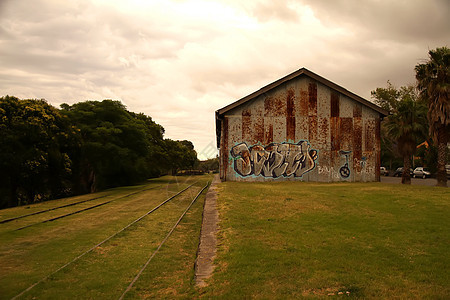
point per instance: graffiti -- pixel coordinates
(345, 170)
(274, 160)
(363, 162)
(365, 168)
(329, 171)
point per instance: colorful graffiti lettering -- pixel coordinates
(274, 160)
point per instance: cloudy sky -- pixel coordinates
(180, 60)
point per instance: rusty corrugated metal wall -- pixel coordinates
(300, 130)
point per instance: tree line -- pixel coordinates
(418, 113)
(48, 153)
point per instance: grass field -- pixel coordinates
(304, 240)
(276, 240)
(28, 255)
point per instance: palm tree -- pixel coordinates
(406, 125)
(434, 86)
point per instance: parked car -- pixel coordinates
(399, 172)
(383, 171)
(421, 172)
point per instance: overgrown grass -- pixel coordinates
(276, 240)
(304, 240)
(28, 255)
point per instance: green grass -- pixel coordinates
(304, 240)
(30, 254)
(276, 240)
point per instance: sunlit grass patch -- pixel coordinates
(290, 240)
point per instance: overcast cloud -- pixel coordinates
(179, 61)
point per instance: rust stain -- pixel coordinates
(357, 111)
(323, 132)
(378, 149)
(346, 133)
(301, 128)
(290, 102)
(258, 128)
(246, 125)
(303, 103)
(246, 112)
(268, 107)
(312, 111)
(357, 142)
(290, 115)
(312, 134)
(378, 133)
(274, 107)
(279, 107)
(224, 148)
(312, 96)
(369, 135)
(335, 134)
(334, 104)
(269, 135)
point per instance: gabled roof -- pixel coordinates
(298, 73)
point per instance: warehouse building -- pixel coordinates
(300, 127)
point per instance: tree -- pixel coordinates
(47, 153)
(114, 145)
(390, 98)
(433, 82)
(154, 160)
(406, 126)
(180, 155)
(34, 151)
(211, 164)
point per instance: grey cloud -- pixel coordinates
(181, 68)
(410, 20)
(279, 10)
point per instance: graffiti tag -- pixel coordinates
(345, 170)
(274, 160)
(329, 171)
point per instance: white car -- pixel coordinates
(383, 171)
(421, 172)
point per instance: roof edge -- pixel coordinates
(302, 71)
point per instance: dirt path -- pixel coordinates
(207, 249)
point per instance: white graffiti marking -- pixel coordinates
(329, 171)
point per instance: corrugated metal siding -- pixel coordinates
(301, 124)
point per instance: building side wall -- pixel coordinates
(301, 130)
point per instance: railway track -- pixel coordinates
(75, 204)
(50, 209)
(80, 210)
(129, 226)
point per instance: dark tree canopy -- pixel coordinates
(35, 143)
(47, 153)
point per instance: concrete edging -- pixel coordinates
(204, 264)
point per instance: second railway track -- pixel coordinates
(68, 208)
